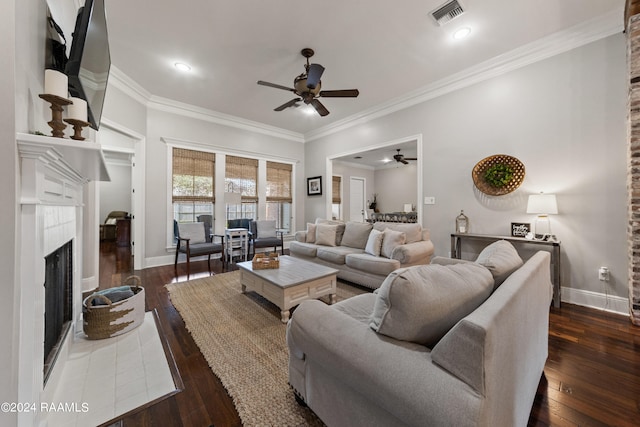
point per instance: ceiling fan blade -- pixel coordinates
(314, 74)
(404, 162)
(321, 109)
(260, 82)
(410, 158)
(288, 104)
(346, 93)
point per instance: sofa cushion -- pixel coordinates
(390, 240)
(335, 254)
(374, 265)
(374, 243)
(311, 233)
(303, 249)
(501, 258)
(339, 230)
(358, 307)
(356, 234)
(421, 303)
(326, 234)
(413, 231)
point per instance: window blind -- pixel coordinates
(335, 189)
(193, 176)
(279, 182)
(241, 176)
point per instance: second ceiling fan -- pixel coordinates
(307, 87)
(400, 158)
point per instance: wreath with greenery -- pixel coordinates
(498, 175)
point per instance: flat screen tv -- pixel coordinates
(89, 59)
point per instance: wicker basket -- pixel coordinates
(113, 319)
(265, 261)
(480, 169)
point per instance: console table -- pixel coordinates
(456, 252)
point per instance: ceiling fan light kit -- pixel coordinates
(307, 86)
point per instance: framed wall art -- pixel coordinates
(314, 186)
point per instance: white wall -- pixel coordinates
(396, 186)
(564, 118)
(10, 287)
(116, 194)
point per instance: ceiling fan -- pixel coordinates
(400, 158)
(307, 87)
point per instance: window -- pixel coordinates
(192, 184)
(241, 176)
(279, 194)
(336, 202)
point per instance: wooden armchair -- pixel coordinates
(263, 234)
(192, 241)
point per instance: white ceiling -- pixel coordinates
(387, 50)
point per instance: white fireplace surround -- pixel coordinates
(56, 176)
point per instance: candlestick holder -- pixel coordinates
(77, 128)
(57, 103)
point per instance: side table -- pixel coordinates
(236, 239)
(456, 252)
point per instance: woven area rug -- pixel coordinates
(243, 340)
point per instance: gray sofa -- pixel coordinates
(363, 253)
(367, 361)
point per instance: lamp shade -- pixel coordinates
(232, 198)
(542, 204)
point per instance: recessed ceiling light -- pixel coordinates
(462, 33)
(182, 66)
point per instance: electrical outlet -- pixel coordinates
(603, 274)
(429, 200)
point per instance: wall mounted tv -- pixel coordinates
(89, 59)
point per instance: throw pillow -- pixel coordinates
(390, 240)
(311, 233)
(356, 234)
(501, 258)
(266, 229)
(326, 234)
(374, 243)
(339, 230)
(421, 303)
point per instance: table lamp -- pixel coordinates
(543, 205)
(231, 198)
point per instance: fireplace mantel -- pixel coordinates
(64, 163)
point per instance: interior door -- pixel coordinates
(356, 199)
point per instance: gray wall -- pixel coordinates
(396, 185)
(563, 117)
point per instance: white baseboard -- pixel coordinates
(610, 303)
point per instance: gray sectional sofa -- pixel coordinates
(363, 253)
(446, 344)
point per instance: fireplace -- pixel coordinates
(58, 302)
(58, 244)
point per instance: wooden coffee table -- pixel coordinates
(294, 281)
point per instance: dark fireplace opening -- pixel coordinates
(58, 302)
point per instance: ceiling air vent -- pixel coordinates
(447, 12)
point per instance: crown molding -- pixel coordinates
(120, 80)
(579, 35)
(175, 107)
(126, 84)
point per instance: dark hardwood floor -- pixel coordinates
(592, 375)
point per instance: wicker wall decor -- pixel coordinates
(498, 175)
